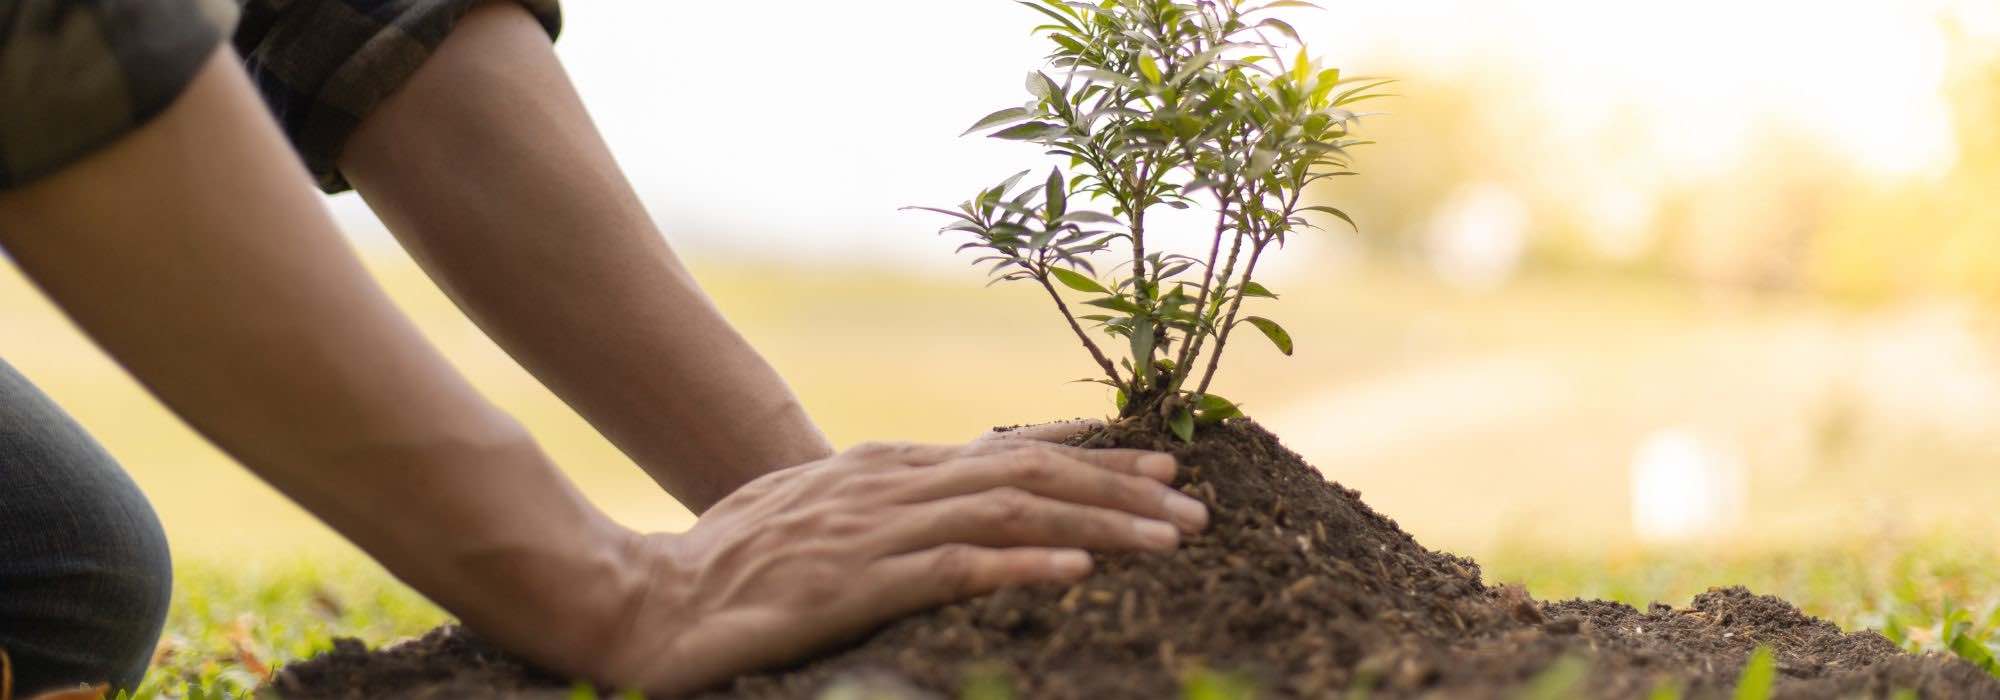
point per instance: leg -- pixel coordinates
(84, 570)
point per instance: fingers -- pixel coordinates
(1152, 465)
(1011, 517)
(1060, 476)
(1057, 432)
(911, 582)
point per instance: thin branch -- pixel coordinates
(1222, 336)
(1192, 348)
(1110, 370)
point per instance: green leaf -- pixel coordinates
(1088, 217)
(1149, 68)
(1212, 409)
(1972, 650)
(1029, 131)
(1273, 331)
(1005, 116)
(1183, 424)
(1282, 27)
(1759, 675)
(1336, 213)
(1253, 289)
(1115, 303)
(1077, 281)
(1142, 341)
(1057, 196)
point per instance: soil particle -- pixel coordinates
(1297, 584)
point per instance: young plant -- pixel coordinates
(1150, 104)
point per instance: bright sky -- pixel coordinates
(795, 128)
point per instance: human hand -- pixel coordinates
(821, 553)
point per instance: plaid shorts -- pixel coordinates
(77, 74)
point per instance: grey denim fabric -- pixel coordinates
(85, 575)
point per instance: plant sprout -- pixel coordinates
(1155, 103)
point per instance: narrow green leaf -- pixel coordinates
(1253, 289)
(1149, 68)
(1005, 116)
(1142, 341)
(1336, 213)
(1282, 27)
(1089, 217)
(1273, 331)
(1057, 197)
(1115, 303)
(1077, 281)
(1759, 675)
(1973, 651)
(1029, 131)
(1183, 424)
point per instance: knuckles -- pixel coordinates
(1005, 506)
(956, 568)
(1030, 466)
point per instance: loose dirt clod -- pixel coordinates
(1309, 599)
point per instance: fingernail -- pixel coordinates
(1157, 467)
(1189, 513)
(1069, 563)
(1155, 533)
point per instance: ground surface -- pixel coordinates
(1297, 590)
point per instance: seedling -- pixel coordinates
(1150, 104)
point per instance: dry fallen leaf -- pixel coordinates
(246, 654)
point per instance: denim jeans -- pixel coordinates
(84, 571)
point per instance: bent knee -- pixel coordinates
(88, 580)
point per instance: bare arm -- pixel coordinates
(195, 251)
(486, 166)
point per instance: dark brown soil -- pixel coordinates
(1297, 585)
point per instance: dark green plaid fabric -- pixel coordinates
(324, 64)
(77, 74)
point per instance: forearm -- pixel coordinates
(488, 169)
(195, 252)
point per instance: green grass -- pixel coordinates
(232, 621)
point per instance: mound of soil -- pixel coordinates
(1297, 585)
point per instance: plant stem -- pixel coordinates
(1222, 334)
(1110, 370)
(1192, 348)
(1142, 367)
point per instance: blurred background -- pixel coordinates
(1631, 279)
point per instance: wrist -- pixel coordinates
(565, 607)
